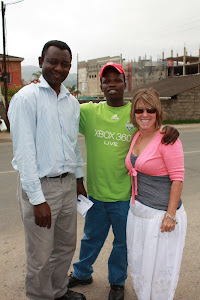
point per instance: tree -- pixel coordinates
(73, 90)
(36, 75)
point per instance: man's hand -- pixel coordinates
(42, 214)
(81, 189)
(36, 80)
(170, 135)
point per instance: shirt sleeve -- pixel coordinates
(174, 160)
(22, 117)
(78, 170)
(84, 110)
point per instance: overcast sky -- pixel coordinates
(103, 28)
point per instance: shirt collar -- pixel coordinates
(63, 90)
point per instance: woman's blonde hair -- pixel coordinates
(150, 96)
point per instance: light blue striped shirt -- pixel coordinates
(44, 130)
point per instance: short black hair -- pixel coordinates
(61, 45)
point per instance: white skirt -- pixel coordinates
(154, 257)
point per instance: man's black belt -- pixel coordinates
(60, 176)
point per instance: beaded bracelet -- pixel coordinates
(172, 218)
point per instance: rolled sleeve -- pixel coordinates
(33, 191)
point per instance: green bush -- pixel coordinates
(10, 91)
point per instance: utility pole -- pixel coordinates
(77, 75)
(4, 73)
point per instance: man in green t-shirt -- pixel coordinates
(108, 134)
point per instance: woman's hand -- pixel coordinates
(167, 225)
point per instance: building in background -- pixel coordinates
(183, 65)
(145, 71)
(179, 88)
(13, 68)
(179, 95)
(88, 75)
(177, 80)
(137, 74)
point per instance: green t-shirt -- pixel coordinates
(108, 134)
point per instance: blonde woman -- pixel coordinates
(156, 225)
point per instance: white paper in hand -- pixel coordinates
(83, 205)
(3, 126)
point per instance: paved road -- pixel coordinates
(12, 254)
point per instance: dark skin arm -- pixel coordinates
(42, 211)
(42, 214)
(81, 189)
(170, 135)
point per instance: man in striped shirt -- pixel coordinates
(44, 121)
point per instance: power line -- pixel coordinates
(14, 2)
(5, 4)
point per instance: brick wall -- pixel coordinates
(185, 106)
(14, 68)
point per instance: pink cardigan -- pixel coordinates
(157, 159)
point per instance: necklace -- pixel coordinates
(143, 142)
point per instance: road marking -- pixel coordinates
(8, 172)
(5, 172)
(192, 152)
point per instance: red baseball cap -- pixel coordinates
(114, 65)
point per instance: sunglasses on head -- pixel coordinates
(150, 110)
